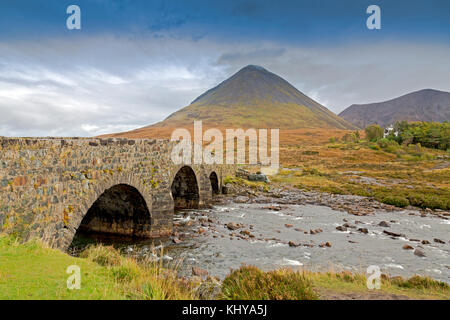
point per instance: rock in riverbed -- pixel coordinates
(326, 244)
(233, 226)
(293, 244)
(384, 224)
(393, 234)
(197, 271)
(419, 253)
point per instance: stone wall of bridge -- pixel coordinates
(47, 187)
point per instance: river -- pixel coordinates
(206, 241)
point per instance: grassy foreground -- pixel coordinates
(32, 271)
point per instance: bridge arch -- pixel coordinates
(118, 205)
(185, 188)
(214, 181)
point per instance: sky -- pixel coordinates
(133, 63)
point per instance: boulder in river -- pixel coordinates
(197, 271)
(439, 241)
(425, 242)
(393, 234)
(341, 228)
(418, 252)
(363, 230)
(233, 226)
(384, 224)
(325, 244)
(293, 244)
(407, 247)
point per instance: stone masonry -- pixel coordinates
(48, 185)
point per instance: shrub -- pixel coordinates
(390, 146)
(397, 201)
(333, 139)
(250, 283)
(429, 201)
(313, 172)
(374, 132)
(351, 137)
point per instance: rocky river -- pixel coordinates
(314, 231)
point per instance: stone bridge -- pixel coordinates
(52, 187)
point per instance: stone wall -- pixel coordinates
(48, 185)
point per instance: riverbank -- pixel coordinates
(32, 271)
(283, 193)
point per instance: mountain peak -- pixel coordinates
(253, 67)
(254, 97)
(251, 86)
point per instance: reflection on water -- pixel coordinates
(217, 248)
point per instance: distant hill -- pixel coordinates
(252, 98)
(423, 105)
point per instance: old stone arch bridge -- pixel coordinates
(51, 187)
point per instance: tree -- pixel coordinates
(374, 132)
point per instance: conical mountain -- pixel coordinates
(256, 98)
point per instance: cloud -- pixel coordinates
(90, 85)
(338, 76)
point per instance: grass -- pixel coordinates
(250, 283)
(416, 287)
(32, 271)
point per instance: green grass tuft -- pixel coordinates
(250, 283)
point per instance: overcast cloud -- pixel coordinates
(100, 84)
